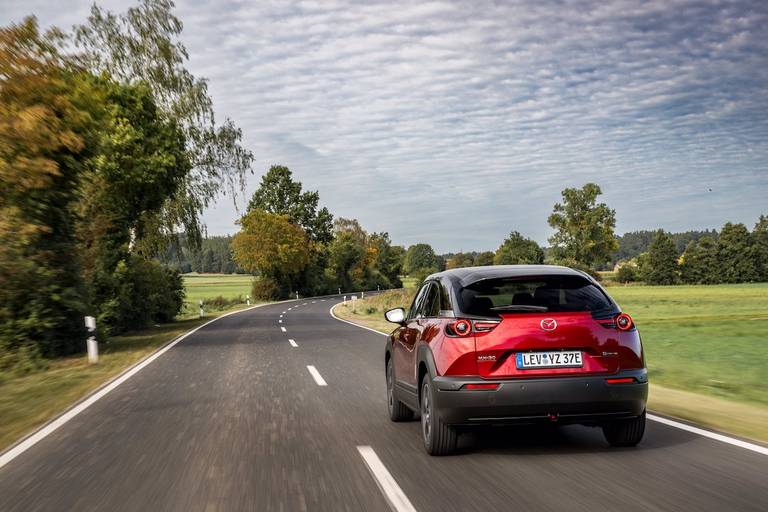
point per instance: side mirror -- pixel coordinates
(396, 316)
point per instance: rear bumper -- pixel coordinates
(585, 400)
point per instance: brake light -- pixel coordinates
(624, 322)
(621, 380)
(484, 325)
(459, 328)
(462, 327)
(480, 387)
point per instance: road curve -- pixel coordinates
(236, 417)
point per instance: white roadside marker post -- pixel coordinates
(362, 295)
(90, 344)
(201, 309)
(354, 299)
(339, 291)
(248, 299)
(345, 299)
(297, 295)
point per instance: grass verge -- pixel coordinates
(705, 349)
(28, 401)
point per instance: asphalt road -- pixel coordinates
(232, 419)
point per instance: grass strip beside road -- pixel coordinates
(705, 348)
(29, 401)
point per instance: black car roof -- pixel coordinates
(468, 275)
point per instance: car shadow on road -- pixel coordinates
(571, 439)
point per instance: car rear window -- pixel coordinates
(491, 297)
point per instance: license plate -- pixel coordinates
(560, 359)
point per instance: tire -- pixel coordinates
(439, 438)
(625, 432)
(397, 410)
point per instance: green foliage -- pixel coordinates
(421, 256)
(459, 260)
(518, 250)
(633, 243)
(270, 245)
(699, 263)
(278, 193)
(387, 260)
(264, 288)
(142, 46)
(662, 260)
(420, 274)
(760, 244)
(143, 293)
(627, 273)
(46, 134)
(483, 259)
(736, 255)
(584, 227)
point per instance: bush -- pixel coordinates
(422, 273)
(264, 289)
(627, 273)
(143, 292)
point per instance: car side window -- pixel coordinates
(446, 307)
(431, 306)
(415, 310)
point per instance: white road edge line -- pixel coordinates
(293, 343)
(392, 492)
(280, 321)
(666, 421)
(712, 435)
(316, 375)
(282, 328)
(47, 429)
(353, 323)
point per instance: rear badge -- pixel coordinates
(486, 358)
(548, 324)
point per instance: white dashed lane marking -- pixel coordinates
(316, 375)
(293, 343)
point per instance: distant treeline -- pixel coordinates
(213, 257)
(634, 243)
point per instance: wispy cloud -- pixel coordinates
(455, 122)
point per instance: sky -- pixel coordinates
(454, 123)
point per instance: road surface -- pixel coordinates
(232, 418)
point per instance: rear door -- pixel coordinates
(549, 326)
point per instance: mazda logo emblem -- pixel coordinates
(549, 324)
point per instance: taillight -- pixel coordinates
(485, 325)
(459, 328)
(620, 380)
(463, 327)
(624, 322)
(480, 387)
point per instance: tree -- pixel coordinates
(662, 260)
(517, 250)
(387, 260)
(736, 254)
(699, 264)
(483, 259)
(278, 193)
(347, 255)
(459, 260)
(270, 245)
(46, 135)
(627, 273)
(760, 244)
(142, 45)
(421, 256)
(584, 227)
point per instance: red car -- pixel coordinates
(515, 344)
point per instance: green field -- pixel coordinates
(208, 286)
(708, 339)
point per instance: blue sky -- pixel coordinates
(454, 123)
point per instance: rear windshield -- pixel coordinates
(492, 297)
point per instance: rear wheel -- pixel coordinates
(625, 432)
(397, 411)
(439, 438)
